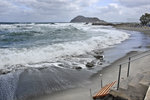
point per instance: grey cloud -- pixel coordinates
(5, 6)
(44, 10)
(119, 13)
(134, 3)
(40, 10)
(64, 10)
(109, 9)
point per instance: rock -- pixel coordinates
(64, 64)
(86, 23)
(98, 54)
(80, 19)
(147, 46)
(78, 68)
(98, 51)
(90, 64)
(139, 46)
(52, 23)
(101, 57)
(1, 72)
(4, 71)
(42, 68)
(100, 63)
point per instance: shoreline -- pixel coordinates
(57, 83)
(145, 30)
(83, 92)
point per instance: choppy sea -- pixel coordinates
(30, 44)
(41, 58)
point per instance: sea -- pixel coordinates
(41, 58)
(28, 44)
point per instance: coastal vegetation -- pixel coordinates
(145, 19)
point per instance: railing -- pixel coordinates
(126, 67)
(131, 59)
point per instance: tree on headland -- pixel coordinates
(145, 19)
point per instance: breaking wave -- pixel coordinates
(38, 59)
(48, 42)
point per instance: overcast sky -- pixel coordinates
(65, 10)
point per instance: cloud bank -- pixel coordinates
(65, 10)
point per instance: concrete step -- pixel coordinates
(119, 94)
(145, 81)
(135, 80)
(124, 84)
(134, 88)
(147, 97)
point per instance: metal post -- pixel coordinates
(128, 67)
(119, 77)
(90, 92)
(101, 80)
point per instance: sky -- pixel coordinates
(65, 10)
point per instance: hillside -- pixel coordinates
(80, 19)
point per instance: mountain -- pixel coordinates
(80, 19)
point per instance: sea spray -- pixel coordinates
(31, 82)
(8, 85)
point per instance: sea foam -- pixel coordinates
(96, 37)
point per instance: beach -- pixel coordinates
(74, 49)
(55, 68)
(109, 74)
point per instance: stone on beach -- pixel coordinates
(5, 71)
(77, 68)
(101, 57)
(90, 64)
(98, 54)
